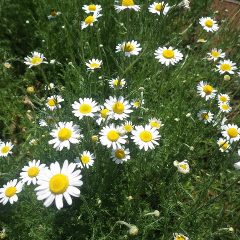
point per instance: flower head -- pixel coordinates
(120, 155)
(183, 167)
(226, 66)
(54, 101)
(224, 145)
(231, 132)
(159, 7)
(86, 159)
(209, 24)
(5, 149)
(35, 60)
(92, 8)
(89, 20)
(94, 64)
(129, 48)
(205, 116)
(206, 90)
(127, 4)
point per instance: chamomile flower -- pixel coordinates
(117, 83)
(65, 134)
(179, 236)
(126, 4)
(5, 149)
(226, 66)
(94, 64)
(145, 137)
(215, 54)
(137, 103)
(231, 132)
(224, 145)
(30, 173)
(42, 123)
(85, 107)
(224, 107)
(92, 8)
(168, 56)
(35, 60)
(205, 116)
(111, 136)
(119, 107)
(155, 123)
(127, 127)
(102, 115)
(86, 159)
(223, 98)
(159, 7)
(56, 183)
(183, 167)
(53, 102)
(9, 191)
(120, 155)
(209, 24)
(88, 21)
(206, 91)
(53, 14)
(131, 48)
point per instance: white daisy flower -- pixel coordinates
(56, 183)
(215, 54)
(223, 98)
(145, 137)
(168, 56)
(94, 64)
(5, 149)
(129, 48)
(208, 24)
(86, 159)
(119, 108)
(30, 173)
(117, 83)
(102, 115)
(155, 123)
(237, 165)
(126, 4)
(206, 91)
(92, 8)
(183, 167)
(224, 107)
(54, 101)
(226, 66)
(65, 134)
(53, 14)
(35, 60)
(120, 155)
(42, 123)
(50, 86)
(137, 103)
(8, 193)
(159, 7)
(231, 132)
(86, 107)
(205, 116)
(111, 136)
(179, 236)
(224, 145)
(88, 21)
(127, 127)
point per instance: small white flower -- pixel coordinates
(179, 236)
(5, 149)
(223, 98)
(224, 107)
(159, 7)
(208, 24)
(215, 54)
(92, 8)
(120, 155)
(205, 116)
(206, 91)
(94, 64)
(183, 167)
(102, 115)
(54, 14)
(237, 165)
(155, 123)
(88, 21)
(86, 159)
(131, 48)
(231, 132)
(126, 4)
(117, 83)
(224, 145)
(54, 101)
(127, 127)
(35, 60)
(226, 66)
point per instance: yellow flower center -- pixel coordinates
(168, 53)
(128, 47)
(208, 89)
(232, 132)
(33, 172)
(53, 13)
(113, 135)
(5, 149)
(224, 145)
(118, 108)
(215, 54)
(128, 128)
(85, 159)
(225, 107)
(155, 124)
(117, 82)
(58, 184)
(127, 3)
(85, 108)
(104, 112)
(10, 191)
(94, 65)
(158, 7)
(209, 23)
(226, 67)
(92, 7)
(30, 89)
(89, 20)
(223, 99)
(120, 154)
(36, 60)
(205, 116)
(64, 134)
(146, 136)
(180, 237)
(137, 104)
(52, 102)
(183, 166)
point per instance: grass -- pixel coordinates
(202, 204)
